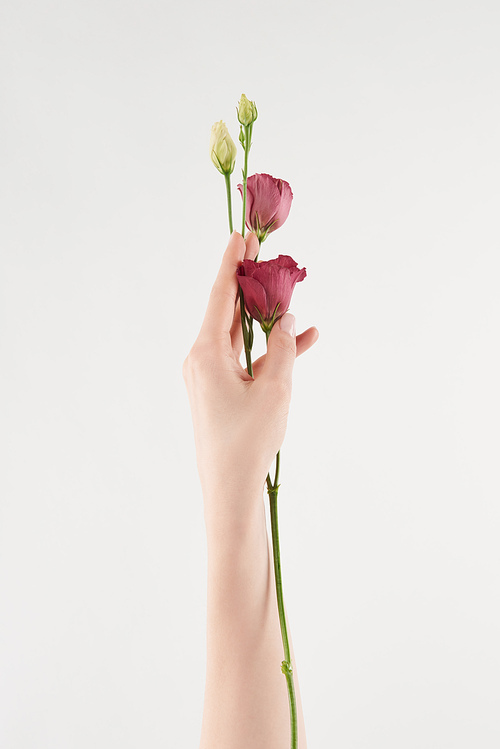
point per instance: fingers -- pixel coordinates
(281, 352)
(307, 339)
(304, 341)
(252, 246)
(236, 332)
(221, 304)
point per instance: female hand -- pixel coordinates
(239, 421)
(239, 425)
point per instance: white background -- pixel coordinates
(384, 118)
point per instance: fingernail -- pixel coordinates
(287, 324)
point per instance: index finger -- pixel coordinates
(220, 311)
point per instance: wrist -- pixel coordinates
(232, 510)
(239, 469)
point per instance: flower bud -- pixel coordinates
(268, 203)
(247, 111)
(222, 148)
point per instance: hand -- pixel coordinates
(239, 421)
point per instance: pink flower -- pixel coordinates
(268, 286)
(268, 203)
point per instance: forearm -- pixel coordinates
(246, 702)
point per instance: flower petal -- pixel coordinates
(265, 202)
(255, 297)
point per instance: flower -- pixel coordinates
(222, 148)
(268, 286)
(247, 111)
(268, 203)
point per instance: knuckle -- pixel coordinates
(188, 367)
(279, 388)
(286, 344)
(199, 361)
(221, 292)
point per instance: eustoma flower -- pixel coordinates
(268, 203)
(268, 287)
(222, 148)
(247, 111)
(223, 154)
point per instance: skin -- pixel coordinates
(239, 425)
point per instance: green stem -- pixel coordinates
(245, 324)
(229, 206)
(248, 143)
(247, 327)
(286, 664)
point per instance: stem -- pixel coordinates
(229, 206)
(247, 327)
(245, 321)
(248, 143)
(286, 665)
(277, 472)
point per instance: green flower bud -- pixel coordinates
(222, 148)
(247, 111)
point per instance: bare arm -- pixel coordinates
(239, 425)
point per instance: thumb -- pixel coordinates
(281, 351)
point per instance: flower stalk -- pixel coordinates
(229, 204)
(246, 141)
(247, 328)
(286, 664)
(247, 114)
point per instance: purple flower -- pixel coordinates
(268, 203)
(268, 286)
